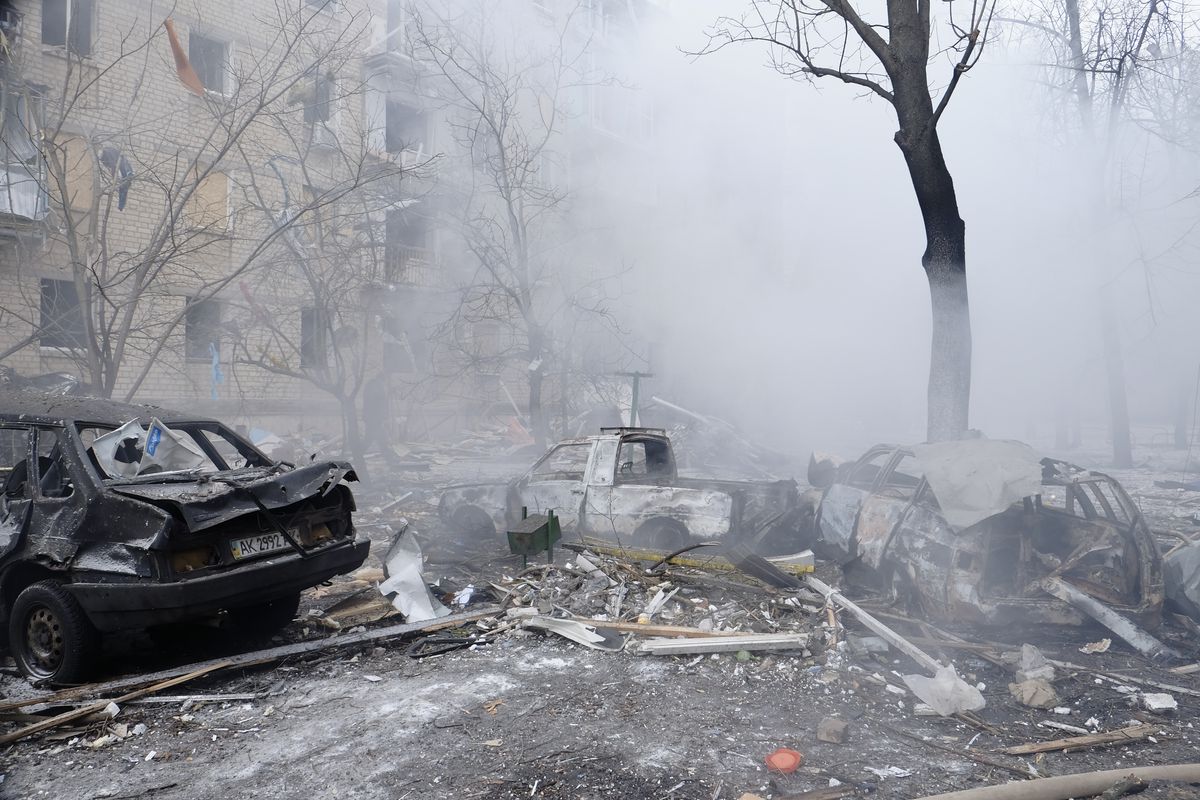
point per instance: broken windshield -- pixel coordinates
(133, 451)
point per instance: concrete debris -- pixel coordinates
(1158, 702)
(1034, 693)
(833, 730)
(1033, 665)
(1095, 648)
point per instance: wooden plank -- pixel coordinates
(1131, 733)
(259, 657)
(723, 644)
(659, 630)
(80, 713)
(875, 626)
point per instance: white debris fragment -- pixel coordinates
(890, 772)
(1034, 666)
(1092, 648)
(111, 710)
(1158, 702)
(372, 678)
(945, 693)
(140, 729)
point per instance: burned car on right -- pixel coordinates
(975, 531)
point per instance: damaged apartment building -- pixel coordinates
(249, 208)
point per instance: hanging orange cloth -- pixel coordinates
(183, 67)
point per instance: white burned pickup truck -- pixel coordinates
(623, 486)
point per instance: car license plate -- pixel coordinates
(260, 545)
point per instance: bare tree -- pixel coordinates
(507, 99)
(890, 59)
(106, 142)
(1115, 73)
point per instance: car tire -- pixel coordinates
(662, 534)
(475, 524)
(51, 637)
(264, 620)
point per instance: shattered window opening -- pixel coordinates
(209, 57)
(866, 472)
(14, 454)
(62, 322)
(643, 459)
(68, 23)
(564, 463)
(53, 480)
(132, 451)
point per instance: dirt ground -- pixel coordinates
(535, 716)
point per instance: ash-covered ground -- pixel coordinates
(532, 715)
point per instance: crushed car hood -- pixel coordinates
(213, 499)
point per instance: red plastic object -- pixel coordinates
(784, 760)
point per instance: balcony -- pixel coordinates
(410, 265)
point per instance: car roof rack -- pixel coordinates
(627, 429)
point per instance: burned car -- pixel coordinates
(117, 516)
(975, 531)
(623, 486)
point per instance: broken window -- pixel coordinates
(202, 328)
(564, 463)
(68, 23)
(62, 322)
(900, 480)
(643, 459)
(53, 480)
(233, 457)
(319, 100)
(132, 451)
(314, 340)
(864, 474)
(210, 58)
(404, 128)
(23, 191)
(14, 452)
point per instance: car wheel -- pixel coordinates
(51, 637)
(474, 524)
(662, 534)
(264, 620)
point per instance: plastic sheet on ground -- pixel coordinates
(413, 599)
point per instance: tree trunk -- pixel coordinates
(1117, 404)
(537, 375)
(352, 436)
(945, 264)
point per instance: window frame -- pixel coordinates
(226, 76)
(191, 302)
(70, 44)
(44, 329)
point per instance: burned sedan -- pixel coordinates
(976, 531)
(117, 516)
